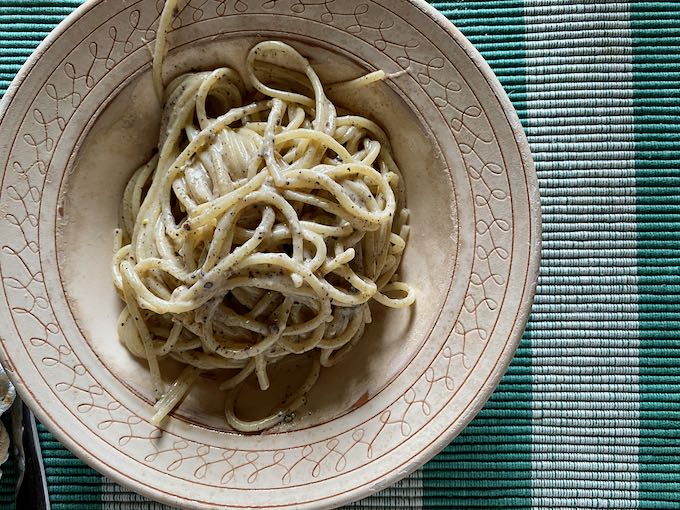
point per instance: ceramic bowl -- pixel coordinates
(81, 116)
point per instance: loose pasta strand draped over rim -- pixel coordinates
(261, 230)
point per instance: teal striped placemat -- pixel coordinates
(588, 415)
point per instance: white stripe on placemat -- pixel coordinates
(115, 497)
(585, 343)
(407, 494)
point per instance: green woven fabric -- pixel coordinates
(588, 415)
(9, 475)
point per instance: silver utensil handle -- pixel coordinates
(32, 492)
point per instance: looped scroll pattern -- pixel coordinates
(22, 278)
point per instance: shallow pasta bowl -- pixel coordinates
(81, 116)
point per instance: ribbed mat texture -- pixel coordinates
(588, 414)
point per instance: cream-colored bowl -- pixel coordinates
(81, 116)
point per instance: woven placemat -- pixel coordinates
(588, 415)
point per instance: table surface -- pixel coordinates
(588, 414)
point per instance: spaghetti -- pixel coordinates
(262, 229)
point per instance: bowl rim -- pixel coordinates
(506, 356)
